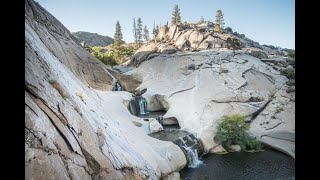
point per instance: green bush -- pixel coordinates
(291, 82)
(233, 130)
(107, 58)
(250, 143)
(289, 73)
(113, 56)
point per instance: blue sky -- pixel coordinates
(269, 22)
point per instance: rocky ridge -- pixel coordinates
(92, 39)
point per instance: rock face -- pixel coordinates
(235, 148)
(75, 126)
(182, 37)
(255, 52)
(202, 81)
(92, 39)
(220, 84)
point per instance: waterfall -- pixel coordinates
(192, 156)
(141, 106)
(190, 145)
(118, 86)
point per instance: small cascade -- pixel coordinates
(118, 86)
(192, 148)
(192, 155)
(142, 105)
(188, 143)
(138, 106)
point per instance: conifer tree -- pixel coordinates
(139, 32)
(155, 31)
(146, 34)
(234, 44)
(176, 17)
(118, 41)
(134, 30)
(218, 26)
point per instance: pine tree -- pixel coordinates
(219, 21)
(146, 34)
(157, 29)
(234, 44)
(134, 30)
(118, 41)
(139, 32)
(154, 31)
(176, 17)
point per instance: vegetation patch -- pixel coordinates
(289, 73)
(291, 82)
(233, 130)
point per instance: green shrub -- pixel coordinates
(250, 143)
(289, 73)
(233, 130)
(107, 58)
(291, 82)
(113, 56)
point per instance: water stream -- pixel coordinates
(118, 86)
(142, 105)
(192, 155)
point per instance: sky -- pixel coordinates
(270, 22)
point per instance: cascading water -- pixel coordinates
(191, 146)
(118, 86)
(192, 156)
(141, 105)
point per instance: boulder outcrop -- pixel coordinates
(198, 88)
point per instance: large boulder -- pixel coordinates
(207, 42)
(219, 43)
(162, 32)
(195, 39)
(166, 48)
(172, 31)
(182, 41)
(257, 53)
(143, 53)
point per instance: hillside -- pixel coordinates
(92, 39)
